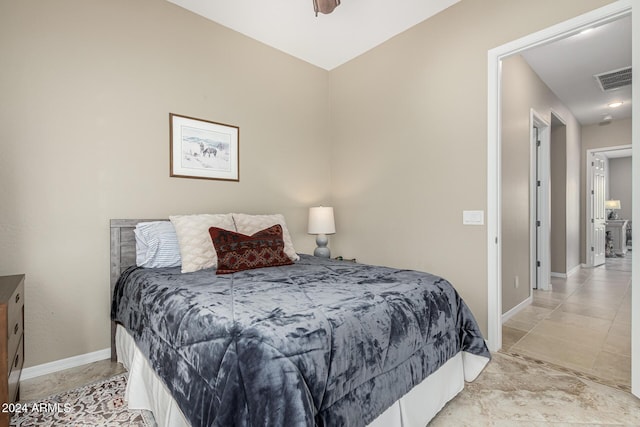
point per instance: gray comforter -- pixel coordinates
(320, 342)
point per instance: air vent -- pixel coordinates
(614, 79)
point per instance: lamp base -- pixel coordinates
(322, 250)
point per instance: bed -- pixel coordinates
(317, 342)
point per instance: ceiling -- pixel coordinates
(327, 41)
(567, 66)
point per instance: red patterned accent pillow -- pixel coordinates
(237, 252)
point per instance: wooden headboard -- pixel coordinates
(123, 246)
(122, 256)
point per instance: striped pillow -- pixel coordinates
(157, 245)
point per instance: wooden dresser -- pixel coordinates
(11, 341)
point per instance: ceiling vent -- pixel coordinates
(614, 79)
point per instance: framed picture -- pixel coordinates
(203, 149)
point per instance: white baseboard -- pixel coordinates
(62, 364)
(569, 273)
(517, 309)
(574, 270)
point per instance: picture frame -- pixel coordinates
(203, 149)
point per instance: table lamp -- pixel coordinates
(321, 223)
(612, 206)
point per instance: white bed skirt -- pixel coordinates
(145, 390)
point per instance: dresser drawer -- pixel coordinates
(17, 361)
(11, 339)
(15, 321)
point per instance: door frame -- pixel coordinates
(540, 168)
(589, 208)
(565, 29)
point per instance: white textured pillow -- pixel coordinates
(251, 224)
(196, 248)
(156, 245)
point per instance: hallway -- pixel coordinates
(583, 324)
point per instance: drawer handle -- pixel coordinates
(15, 329)
(15, 364)
(17, 297)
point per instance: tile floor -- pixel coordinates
(47, 385)
(583, 323)
(517, 391)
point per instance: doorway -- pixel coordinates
(597, 193)
(562, 201)
(494, 216)
(540, 203)
(596, 218)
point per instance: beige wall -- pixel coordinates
(395, 139)
(87, 88)
(595, 137)
(620, 184)
(522, 91)
(410, 136)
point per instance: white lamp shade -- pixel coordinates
(321, 220)
(612, 204)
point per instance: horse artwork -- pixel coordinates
(203, 149)
(204, 152)
(210, 152)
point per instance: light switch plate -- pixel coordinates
(473, 217)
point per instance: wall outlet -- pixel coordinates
(516, 282)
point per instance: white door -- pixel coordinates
(540, 230)
(541, 280)
(598, 215)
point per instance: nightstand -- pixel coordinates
(11, 341)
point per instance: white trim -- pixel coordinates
(568, 274)
(535, 120)
(613, 148)
(574, 270)
(517, 309)
(635, 214)
(573, 26)
(62, 364)
(558, 116)
(494, 201)
(539, 276)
